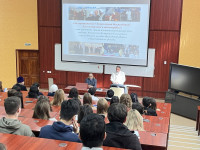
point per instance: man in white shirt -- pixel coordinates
(118, 78)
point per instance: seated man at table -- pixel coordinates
(92, 132)
(20, 83)
(10, 124)
(118, 135)
(91, 81)
(62, 130)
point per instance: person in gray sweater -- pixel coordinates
(10, 124)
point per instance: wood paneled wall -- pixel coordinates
(164, 36)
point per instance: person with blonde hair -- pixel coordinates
(134, 121)
(58, 97)
(102, 107)
(126, 100)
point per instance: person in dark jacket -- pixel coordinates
(149, 107)
(62, 130)
(33, 92)
(91, 81)
(118, 135)
(20, 83)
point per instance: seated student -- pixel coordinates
(17, 88)
(1, 87)
(92, 132)
(134, 97)
(62, 130)
(77, 100)
(134, 121)
(33, 92)
(10, 124)
(146, 101)
(126, 100)
(84, 110)
(91, 81)
(114, 99)
(52, 90)
(73, 93)
(92, 91)
(13, 92)
(138, 107)
(102, 107)
(58, 98)
(20, 83)
(118, 135)
(38, 85)
(87, 99)
(42, 109)
(110, 94)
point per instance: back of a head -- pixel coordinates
(92, 90)
(126, 100)
(92, 130)
(13, 92)
(114, 99)
(102, 106)
(146, 101)
(134, 97)
(84, 110)
(37, 84)
(117, 112)
(138, 107)
(33, 92)
(58, 97)
(53, 88)
(20, 79)
(77, 100)
(110, 93)
(12, 104)
(69, 109)
(42, 108)
(73, 93)
(153, 103)
(2, 146)
(87, 99)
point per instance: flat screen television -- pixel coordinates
(184, 79)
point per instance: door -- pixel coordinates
(28, 66)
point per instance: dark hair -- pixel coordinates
(146, 101)
(87, 99)
(117, 112)
(12, 104)
(2, 146)
(114, 99)
(134, 97)
(138, 107)
(69, 109)
(84, 110)
(42, 108)
(92, 130)
(110, 93)
(37, 84)
(92, 90)
(118, 66)
(13, 92)
(16, 87)
(33, 92)
(73, 93)
(153, 103)
(1, 87)
(77, 100)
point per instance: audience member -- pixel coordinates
(84, 110)
(102, 107)
(110, 94)
(138, 107)
(13, 92)
(1, 86)
(17, 88)
(58, 98)
(38, 85)
(114, 99)
(134, 97)
(42, 109)
(87, 99)
(33, 92)
(92, 132)
(73, 93)
(20, 83)
(134, 121)
(92, 91)
(52, 90)
(126, 100)
(77, 100)
(147, 106)
(118, 135)
(62, 130)
(10, 124)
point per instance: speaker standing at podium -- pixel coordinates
(118, 78)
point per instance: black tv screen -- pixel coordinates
(184, 79)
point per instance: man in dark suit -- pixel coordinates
(91, 81)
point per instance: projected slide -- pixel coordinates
(105, 33)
